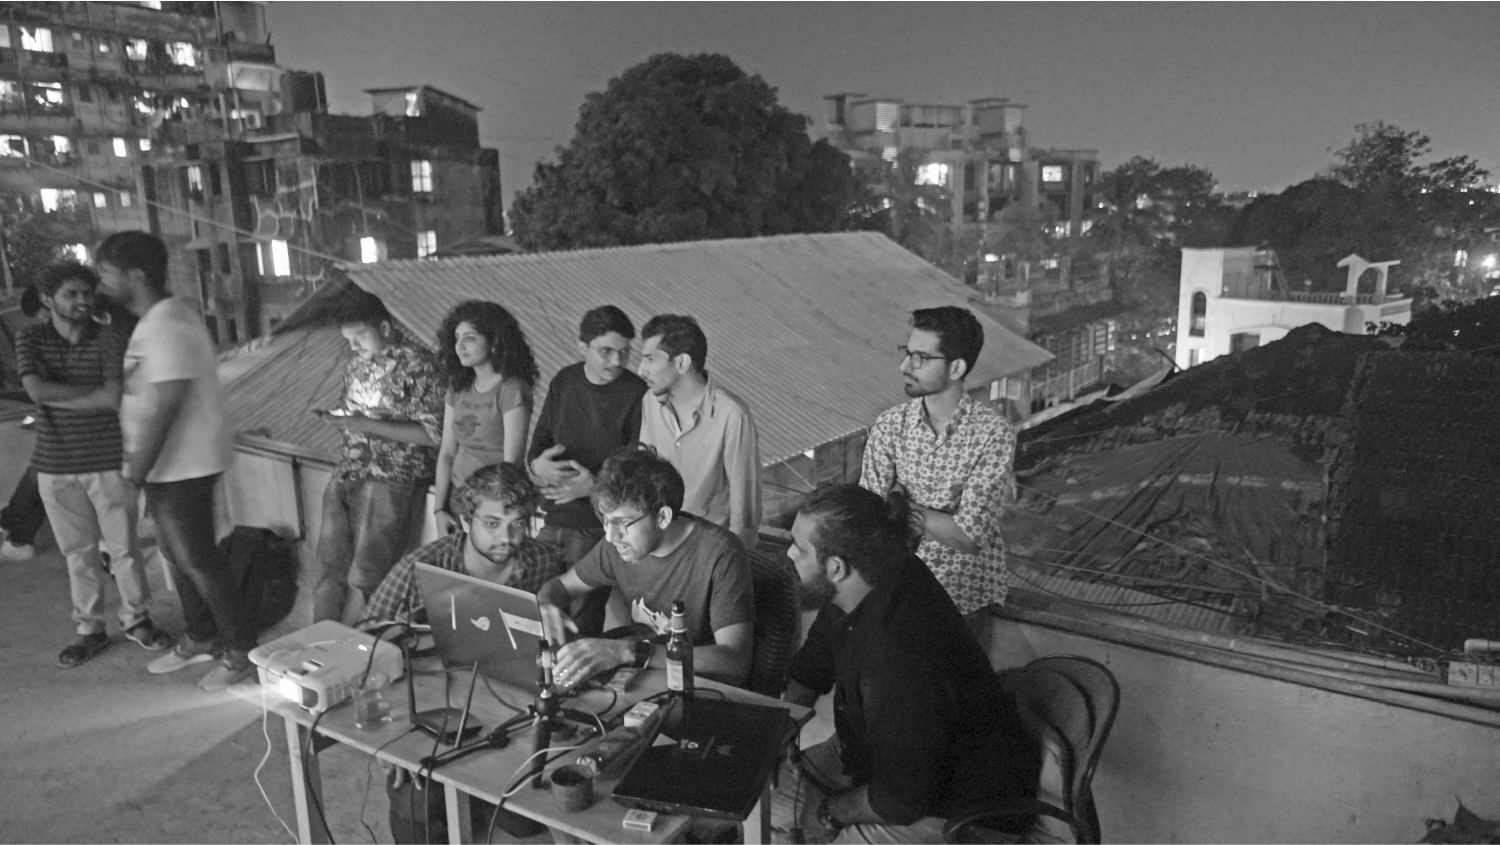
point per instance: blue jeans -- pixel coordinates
(213, 607)
(368, 524)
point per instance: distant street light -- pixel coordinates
(1489, 261)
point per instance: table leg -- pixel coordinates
(460, 829)
(307, 784)
(758, 823)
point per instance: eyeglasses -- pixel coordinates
(619, 525)
(921, 358)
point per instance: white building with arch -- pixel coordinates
(1233, 299)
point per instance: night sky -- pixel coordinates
(1255, 92)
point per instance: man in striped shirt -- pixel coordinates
(72, 368)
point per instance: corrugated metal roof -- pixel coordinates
(271, 387)
(1119, 599)
(804, 327)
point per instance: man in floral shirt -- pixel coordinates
(391, 417)
(952, 456)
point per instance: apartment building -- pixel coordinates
(174, 117)
(979, 153)
(84, 86)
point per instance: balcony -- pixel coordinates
(49, 61)
(1317, 297)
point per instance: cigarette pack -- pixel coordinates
(640, 820)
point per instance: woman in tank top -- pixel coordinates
(491, 375)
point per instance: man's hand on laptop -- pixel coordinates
(582, 659)
(556, 624)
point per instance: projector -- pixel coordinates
(322, 664)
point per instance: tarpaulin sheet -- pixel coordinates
(1213, 518)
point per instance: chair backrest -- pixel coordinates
(1074, 700)
(776, 620)
(1103, 694)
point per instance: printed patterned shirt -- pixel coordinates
(397, 597)
(400, 384)
(966, 472)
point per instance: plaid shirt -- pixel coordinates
(966, 472)
(536, 563)
(400, 384)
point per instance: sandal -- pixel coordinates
(150, 637)
(86, 647)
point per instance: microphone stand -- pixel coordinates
(546, 709)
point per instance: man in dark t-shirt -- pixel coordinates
(654, 554)
(922, 729)
(592, 410)
(73, 368)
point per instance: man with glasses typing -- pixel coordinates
(654, 554)
(950, 454)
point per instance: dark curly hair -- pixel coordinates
(503, 483)
(510, 354)
(868, 532)
(637, 476)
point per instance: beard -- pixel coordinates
(496, 553)
(916, 388)
(812, 596)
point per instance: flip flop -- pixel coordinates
(84, 648)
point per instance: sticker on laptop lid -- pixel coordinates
(522, 624)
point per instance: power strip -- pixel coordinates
(1462, 673)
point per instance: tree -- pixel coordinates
(1383, 198)
(685, 148)
(30, 246)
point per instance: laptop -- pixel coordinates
(477, 621)
(713, 760)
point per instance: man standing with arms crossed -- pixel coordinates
(702, 428)
(176, 447)
(950, 454)
(72, 368)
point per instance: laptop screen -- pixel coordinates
(474, 620)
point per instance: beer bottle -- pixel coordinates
(679, 654)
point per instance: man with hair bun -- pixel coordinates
(922, 728)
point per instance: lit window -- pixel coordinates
(1461, 258)
(61, 145)
(49, 199)
(121, 150)
(195, 178)
(77, 252)
(281, 259)
(101, 199)
(260, 261)
(77, 37)
(36, 39)
(104, 45)
(183, 54)
(888, 154)
(152, 4)
(426, 243)
(126, 199)
(421, 176)
(369, 250)
(1142, 201)
(5, 37)
(48, 93)
(13, 145)
(933, 174)
(145, 145)
(413, 108)
(1199, 314)
(886, 116)
(135, 49)
(1085, 226)
(1052, 173)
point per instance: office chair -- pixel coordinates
(776, 620)
(1069, 704)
